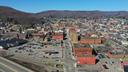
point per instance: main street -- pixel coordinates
(9, 66)
(69, 62)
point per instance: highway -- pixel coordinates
(9, 66)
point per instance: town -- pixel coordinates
(67, 44)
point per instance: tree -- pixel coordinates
(108, 42)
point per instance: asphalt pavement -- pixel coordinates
(9, 66)
(69, 62)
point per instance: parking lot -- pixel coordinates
(37, 53)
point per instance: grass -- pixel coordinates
(123, 59)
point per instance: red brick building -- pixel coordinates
(90, 41)
(83, 54)
(57, 37)
(86, 60)
(80, 51)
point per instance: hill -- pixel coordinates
(76, 14)
(17, 16)
(28, 19)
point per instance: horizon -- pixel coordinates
(67, 10)
(32, 6)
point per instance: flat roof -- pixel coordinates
(85, 55)
(56, 34)
(84, 37)
(81, 46)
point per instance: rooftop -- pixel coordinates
(87, 37)
(85, 55)
(81, 46)
(56, 34)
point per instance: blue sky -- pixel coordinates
(43, 5)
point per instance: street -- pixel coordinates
(9, 66)
(69, 62)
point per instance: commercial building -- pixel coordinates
(88, 59)
(118, 53)
(83, 54)
(73, 35)
(82, 49)
(90, 41)
(57, 36)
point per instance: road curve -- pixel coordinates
(9, 66)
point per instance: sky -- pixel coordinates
(35, 6)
